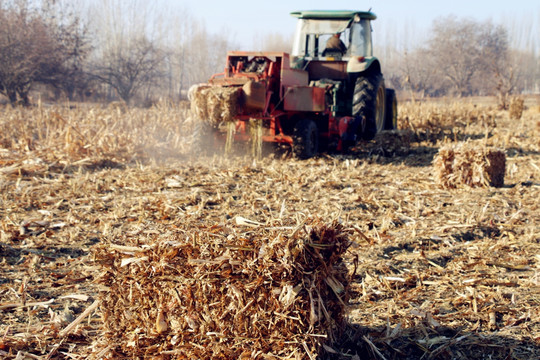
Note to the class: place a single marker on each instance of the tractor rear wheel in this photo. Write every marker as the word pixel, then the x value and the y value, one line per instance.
pixel 305 139
pixel 391 110
pixel 369 103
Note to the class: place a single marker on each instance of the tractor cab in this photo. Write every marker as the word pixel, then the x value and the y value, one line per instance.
pixel 315 28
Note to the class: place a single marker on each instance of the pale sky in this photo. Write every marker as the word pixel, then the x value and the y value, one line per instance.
pixel 247 20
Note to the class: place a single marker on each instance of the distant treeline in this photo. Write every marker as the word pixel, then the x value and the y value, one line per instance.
pixel 464 57
pixel 112 50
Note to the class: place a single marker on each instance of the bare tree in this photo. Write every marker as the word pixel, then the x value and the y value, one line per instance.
pixel 205 54
pixel 475 58
pixel 178 60
pixel 34 47
pixel 131 46
pixel 66 70
pixel 25 43
pixel 129 68
pixel 499 71
pixel 455 48
pixel 193 54
pixel 525 50
pixel 419 74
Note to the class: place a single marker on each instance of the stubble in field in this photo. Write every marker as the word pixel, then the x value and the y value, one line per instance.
pixel 439 273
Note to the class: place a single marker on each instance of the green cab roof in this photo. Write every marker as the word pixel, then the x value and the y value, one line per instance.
pixel 333 14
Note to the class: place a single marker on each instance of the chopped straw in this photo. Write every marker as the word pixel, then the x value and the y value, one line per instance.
pixel 516 108
pixel 214 104
pixel 465 164
pixel 210 294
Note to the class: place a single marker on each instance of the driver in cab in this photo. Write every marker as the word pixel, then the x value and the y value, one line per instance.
pixel 335 44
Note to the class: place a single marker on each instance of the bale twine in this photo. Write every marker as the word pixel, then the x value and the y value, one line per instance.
pixel 466 164
pixel 265 294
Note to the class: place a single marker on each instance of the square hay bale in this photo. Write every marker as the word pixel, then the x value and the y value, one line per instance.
pixel 517 105
pixel 466 164
pixel 264 294
pixel 214 104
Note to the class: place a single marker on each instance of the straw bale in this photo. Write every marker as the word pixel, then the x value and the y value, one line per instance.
pixel 466 164
pixel 213 294
pixel 517 104
pixel 214 104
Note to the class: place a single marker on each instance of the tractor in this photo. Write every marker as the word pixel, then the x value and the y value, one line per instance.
pixel 320 95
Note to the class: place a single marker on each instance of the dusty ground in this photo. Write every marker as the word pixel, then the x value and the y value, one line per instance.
pixel 438 273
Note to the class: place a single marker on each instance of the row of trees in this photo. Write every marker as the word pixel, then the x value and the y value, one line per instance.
pixel 127 51
pixel 463 57
pixel 139 50
pixel 42 45
pixel 136 50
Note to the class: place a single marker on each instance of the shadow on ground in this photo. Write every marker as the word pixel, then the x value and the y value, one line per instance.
pixel 425 342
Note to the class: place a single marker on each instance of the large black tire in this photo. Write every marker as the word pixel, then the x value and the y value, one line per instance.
pixel 305 139
pixel 368 103
pixel 390 122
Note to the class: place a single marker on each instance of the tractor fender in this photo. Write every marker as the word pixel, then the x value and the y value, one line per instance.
pixel 358 64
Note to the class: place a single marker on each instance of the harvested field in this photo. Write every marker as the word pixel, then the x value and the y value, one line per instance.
pixel 434 273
